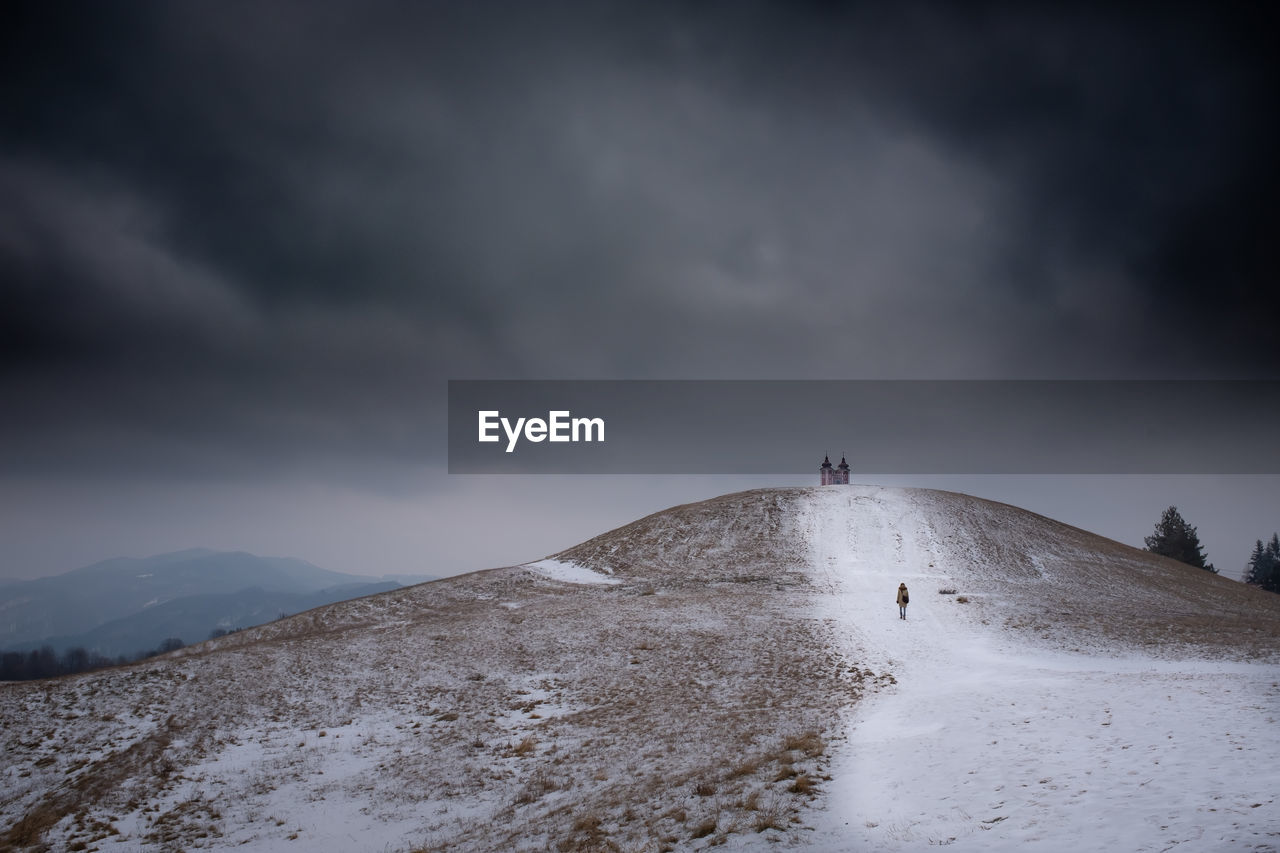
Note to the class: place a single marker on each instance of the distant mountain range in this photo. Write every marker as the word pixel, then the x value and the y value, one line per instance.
pixel 127 605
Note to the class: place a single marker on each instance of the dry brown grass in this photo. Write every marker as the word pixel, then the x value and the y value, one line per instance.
pixel 770 815
pixel 803 785
pixel 673 544
pixel 30 828
pixel 540 783
pixel 1081 584
pixel 90 786
pixel 808 742
pixel 705 827
pixel 626 746
pixel 586 836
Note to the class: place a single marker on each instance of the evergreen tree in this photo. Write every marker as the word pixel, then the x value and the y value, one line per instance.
pixel 1271 580
pixel 1175 538
pixel 1253 570
pixel 1264 565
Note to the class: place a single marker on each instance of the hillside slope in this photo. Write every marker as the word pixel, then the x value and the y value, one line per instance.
pixel 729 673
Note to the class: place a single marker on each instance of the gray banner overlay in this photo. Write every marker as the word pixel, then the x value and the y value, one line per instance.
pixel 882 427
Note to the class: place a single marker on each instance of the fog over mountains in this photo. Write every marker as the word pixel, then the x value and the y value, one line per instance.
pixel 126 605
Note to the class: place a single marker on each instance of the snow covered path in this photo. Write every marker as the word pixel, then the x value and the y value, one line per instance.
pixel 986 744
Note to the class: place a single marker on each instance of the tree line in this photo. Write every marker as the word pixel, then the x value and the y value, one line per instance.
pixel 1264 565
pixel 45 662
pixel 1174 537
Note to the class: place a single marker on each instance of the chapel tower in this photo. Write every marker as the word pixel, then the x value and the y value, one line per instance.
pixel 837 475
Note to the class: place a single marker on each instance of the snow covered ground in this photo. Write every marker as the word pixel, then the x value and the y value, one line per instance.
pixel 989 743
pixel 728 675
pixel 568 572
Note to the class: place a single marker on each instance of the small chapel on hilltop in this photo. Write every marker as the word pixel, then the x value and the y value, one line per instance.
pixel 837 476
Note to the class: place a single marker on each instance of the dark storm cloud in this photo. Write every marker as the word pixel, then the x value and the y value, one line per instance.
pixel 238 232
pixel 1139 139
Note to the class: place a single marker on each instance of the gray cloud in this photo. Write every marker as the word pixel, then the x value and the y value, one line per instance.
pixel 244 237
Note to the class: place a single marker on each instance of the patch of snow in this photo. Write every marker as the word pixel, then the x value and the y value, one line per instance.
pixel 568 572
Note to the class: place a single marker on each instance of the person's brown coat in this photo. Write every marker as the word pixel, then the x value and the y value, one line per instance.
pixel 902 594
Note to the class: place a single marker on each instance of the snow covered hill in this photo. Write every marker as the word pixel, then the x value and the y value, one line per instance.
pixel 731 673
pixel 1086 696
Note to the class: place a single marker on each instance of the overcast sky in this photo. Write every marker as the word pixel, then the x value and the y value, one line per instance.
pixel 243 246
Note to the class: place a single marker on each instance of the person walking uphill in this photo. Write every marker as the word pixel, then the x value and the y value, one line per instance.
pixel 902 601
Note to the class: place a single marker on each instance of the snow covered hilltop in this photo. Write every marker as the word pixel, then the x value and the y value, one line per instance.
pixel 727 673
